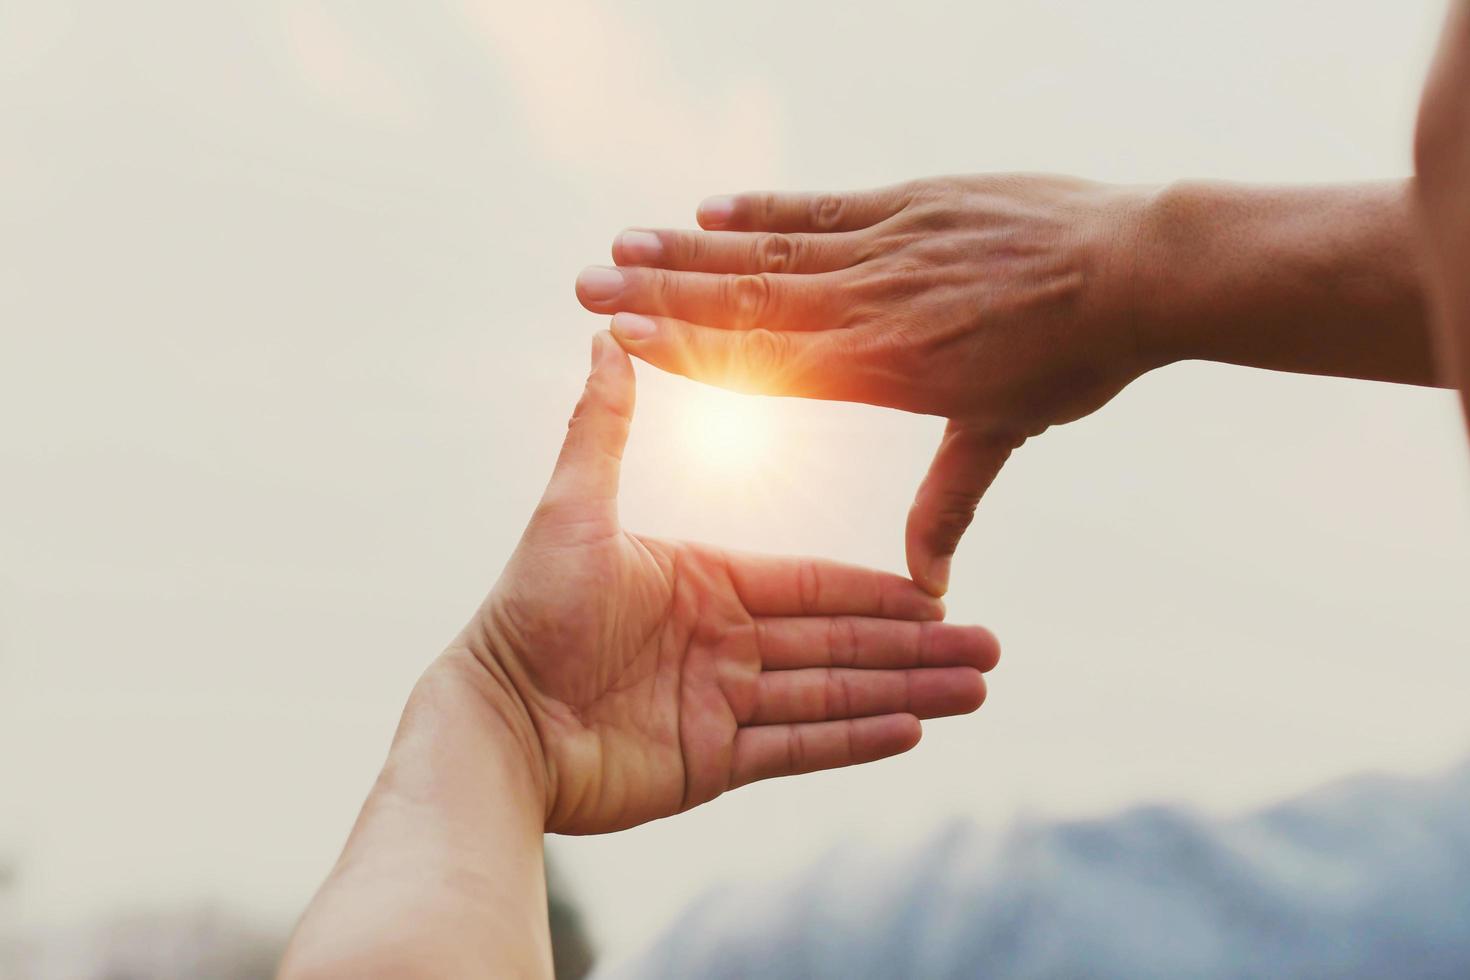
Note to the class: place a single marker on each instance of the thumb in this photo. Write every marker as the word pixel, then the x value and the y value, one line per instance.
pixel 963 469
pixel 592 456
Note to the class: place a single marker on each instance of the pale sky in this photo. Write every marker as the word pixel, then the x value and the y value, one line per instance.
pixel 289 342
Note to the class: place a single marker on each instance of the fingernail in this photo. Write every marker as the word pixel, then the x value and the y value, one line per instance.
pixel 598 283
pixel 597 343
pixel 939 575
pixel 631 326
pixel 639 246
pixel 716 211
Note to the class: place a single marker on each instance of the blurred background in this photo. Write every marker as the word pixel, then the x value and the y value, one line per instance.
pixel 289 343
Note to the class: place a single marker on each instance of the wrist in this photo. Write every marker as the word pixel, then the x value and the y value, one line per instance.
pixel 442 874
pixel 464 711
pixel 1170 291
pixel 1123 263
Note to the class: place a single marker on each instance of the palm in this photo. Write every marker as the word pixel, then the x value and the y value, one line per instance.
pixel 659 674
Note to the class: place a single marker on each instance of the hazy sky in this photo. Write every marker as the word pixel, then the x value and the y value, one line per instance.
pixel 289 343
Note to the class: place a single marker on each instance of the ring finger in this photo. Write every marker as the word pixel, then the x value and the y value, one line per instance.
pixel 736 251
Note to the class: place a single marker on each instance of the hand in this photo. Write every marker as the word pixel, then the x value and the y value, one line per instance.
pixel 651 676
pixel 1001 303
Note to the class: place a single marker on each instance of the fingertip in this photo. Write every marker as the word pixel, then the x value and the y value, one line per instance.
pixel 973 690
pixel 715 213
pixel 989 649
pixel 632 328
pixel 885 736
pixel 605 349
pixel 936 575
pixel 910 731
pixel 930 574
pixel 598 287
pixel 612 366
pixel 919 555
pixel 637 246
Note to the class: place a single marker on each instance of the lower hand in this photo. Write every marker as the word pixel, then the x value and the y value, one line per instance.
pixel 644 677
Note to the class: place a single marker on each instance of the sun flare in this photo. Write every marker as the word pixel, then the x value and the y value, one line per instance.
pixel 725 431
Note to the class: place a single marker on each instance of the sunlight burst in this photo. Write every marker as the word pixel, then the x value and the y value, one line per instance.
pixel 725 431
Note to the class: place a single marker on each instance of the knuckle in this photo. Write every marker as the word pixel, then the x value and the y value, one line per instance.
pixel 931 216
pixel 885 344
pixel 916 189
pixel 831 368
pixel 764 208
pixel 923 641
pixel 842 642
pixel 953 516
pixel 808 585
pixel 764 355
pixel 775 252
pixel 748 297
pixel 925 190
pixel 906 278
pixel 930 207
pixel 840 701
pixel 875 244
pixel 656 282
pixel 691 250
pixel 827 211
pixel 879 362
pixel 588 404
pixel 796 750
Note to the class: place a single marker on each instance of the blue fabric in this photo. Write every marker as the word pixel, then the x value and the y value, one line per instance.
pixel 1370 878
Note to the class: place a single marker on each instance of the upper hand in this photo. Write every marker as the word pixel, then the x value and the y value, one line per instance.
pixel 646 677
pixel 999 302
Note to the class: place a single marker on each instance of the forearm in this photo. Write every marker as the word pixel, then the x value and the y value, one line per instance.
pixel 442 876
pixel 1315 280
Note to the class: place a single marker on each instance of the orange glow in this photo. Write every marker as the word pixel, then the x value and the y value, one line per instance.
pixel 725 431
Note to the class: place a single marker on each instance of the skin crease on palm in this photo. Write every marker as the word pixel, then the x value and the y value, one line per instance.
pixel 656 675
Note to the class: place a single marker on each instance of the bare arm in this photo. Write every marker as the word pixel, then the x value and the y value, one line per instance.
pixel 442 875
pixel 1315 280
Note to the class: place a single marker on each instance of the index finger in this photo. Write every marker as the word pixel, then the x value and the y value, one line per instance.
pixel 813 587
